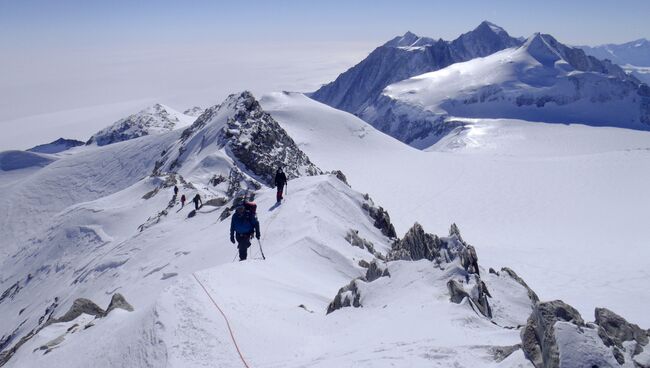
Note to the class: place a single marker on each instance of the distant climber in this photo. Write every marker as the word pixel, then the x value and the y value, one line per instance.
pixel 243 226
pixel 183 201
pixel 175 190
pixel 197 200
pixel 280 182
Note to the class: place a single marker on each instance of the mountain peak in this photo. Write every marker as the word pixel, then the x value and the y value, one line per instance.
pixel 487 25
pixel 541 47
pixel 409 39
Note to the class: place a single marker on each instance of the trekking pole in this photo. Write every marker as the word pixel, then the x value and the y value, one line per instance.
pixel 261 251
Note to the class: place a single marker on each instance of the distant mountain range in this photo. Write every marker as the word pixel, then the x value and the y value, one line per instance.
pixel 633 56
pixel 407 56
pixel 484 73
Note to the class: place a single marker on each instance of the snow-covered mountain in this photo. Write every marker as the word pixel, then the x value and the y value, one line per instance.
pixel 542 80
pixel 634 52
pixel 406 56
pixel 156 119
pixel 194 111
pixel 633 56
pixel 57 146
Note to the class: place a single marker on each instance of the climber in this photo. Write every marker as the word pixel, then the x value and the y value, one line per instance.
pixel 175 190
pixel 196 200
pixel 280 182
pixel 183 201
pixel 243 226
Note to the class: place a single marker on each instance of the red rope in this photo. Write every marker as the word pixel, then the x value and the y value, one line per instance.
pixel 232 336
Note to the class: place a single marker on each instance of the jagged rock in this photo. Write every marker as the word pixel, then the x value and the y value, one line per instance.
pixel 477 294
pixel 538 336
pixel 118 301
pixel 347 296
pixel 339 175
pixel 355 240
pixel 374 272
pixel 363 263
pixel 619 328
pixel 381 217
pixel 10 292
pixel 80 306
pixel 416 245
pixel 469 259
pixel 531 294
pixel 261 144
pixel 500 353
pixel 492 271
pixel 614 330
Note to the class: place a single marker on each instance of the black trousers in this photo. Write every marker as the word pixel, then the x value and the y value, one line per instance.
pixel 243 243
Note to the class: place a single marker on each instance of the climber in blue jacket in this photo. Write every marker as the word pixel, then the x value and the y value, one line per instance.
pixel 243 226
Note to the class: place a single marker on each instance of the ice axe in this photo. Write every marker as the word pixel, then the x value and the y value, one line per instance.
pixel 261 251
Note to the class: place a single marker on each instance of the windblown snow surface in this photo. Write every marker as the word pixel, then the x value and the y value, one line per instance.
pixel 565 205
pixel 102 220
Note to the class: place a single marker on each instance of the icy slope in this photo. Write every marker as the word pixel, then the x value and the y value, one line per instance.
pixel 542 80
pixel 156 119
pixel 550 199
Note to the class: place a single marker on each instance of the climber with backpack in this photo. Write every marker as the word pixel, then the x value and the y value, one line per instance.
pixel 243 226
pixel 183 201
pixel 197 200
pixel 280 182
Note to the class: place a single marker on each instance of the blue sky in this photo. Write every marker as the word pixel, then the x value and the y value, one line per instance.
pixel 85 23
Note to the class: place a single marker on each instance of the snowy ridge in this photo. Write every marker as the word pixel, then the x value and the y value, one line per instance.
pixel 514 186
pixel 542 80
pixel 57 146
pixel 156 119
pixel 236 133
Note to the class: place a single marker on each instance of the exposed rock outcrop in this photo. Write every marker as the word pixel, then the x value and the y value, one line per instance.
pixel 118 301
pixel 475 291
pixel 381 217
pixel 80 306
pixel 557 336
pixel 417 244
pixel 374 272
pixel 531 294
pixel 347 296
pixel 261 144
pixel 355 240
pixel 339 175
pixel 538 336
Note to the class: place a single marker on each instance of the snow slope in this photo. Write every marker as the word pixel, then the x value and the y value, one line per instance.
pixel 130 236
pixel 548 199
pixel 175 324
pixel 542 80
